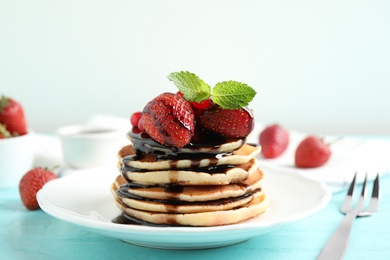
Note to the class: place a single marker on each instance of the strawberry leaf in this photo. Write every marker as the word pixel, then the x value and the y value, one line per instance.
pixel 232 94
pixel 4 102
pixel 192 87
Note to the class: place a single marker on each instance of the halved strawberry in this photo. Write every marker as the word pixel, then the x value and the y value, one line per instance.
pixel 12 116
pixel 227 122
pixel 31 183
pixel 169 120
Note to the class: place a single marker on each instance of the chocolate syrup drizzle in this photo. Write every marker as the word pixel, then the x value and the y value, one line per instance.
pixel 123 193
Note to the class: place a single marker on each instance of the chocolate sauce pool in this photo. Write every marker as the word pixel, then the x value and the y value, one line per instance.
pixel 143 143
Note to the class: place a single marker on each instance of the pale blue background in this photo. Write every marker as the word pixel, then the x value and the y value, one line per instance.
pixel 318 66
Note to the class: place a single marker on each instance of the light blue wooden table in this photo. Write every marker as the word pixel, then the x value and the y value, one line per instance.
pixel 36 235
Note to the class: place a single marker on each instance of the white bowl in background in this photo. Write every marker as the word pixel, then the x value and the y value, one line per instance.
pixel 89 146
pixel 16 158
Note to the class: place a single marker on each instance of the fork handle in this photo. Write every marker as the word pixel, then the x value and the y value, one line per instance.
pixel 337 244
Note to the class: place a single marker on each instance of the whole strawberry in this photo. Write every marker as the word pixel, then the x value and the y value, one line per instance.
pixel 135 117
pixel 12 116
pixel 312 152
pixel 31 183
pixel 273 140
pixel 228 122
pixel 169 120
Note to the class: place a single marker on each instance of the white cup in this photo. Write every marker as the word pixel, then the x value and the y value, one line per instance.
pixel 89 146
pixel 16 158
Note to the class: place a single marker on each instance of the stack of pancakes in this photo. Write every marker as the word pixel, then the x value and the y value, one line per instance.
pixel 204 184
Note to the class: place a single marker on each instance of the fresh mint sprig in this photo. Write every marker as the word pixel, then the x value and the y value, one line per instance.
pixel 232 94
pixel 192 87
pixel 228 94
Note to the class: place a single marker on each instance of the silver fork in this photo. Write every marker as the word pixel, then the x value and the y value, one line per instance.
pixel 337 245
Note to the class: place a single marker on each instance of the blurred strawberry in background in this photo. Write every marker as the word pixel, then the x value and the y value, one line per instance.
pixel 312 152
pixel 12 116
pixel 273 140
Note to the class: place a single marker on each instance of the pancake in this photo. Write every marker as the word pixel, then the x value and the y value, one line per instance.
pixel 219 175
pixel 152 162
pixel 192 193
pixel 178 206
pixel 211 218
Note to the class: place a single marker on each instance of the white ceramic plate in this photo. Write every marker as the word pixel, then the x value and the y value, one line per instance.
pixel 84 199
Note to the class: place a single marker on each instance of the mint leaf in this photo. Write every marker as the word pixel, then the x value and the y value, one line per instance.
pixel 232 94
pixel 192 87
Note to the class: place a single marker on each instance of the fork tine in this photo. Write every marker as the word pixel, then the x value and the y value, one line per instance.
pixel 347 204
pixel 374 202
pixel 360 204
